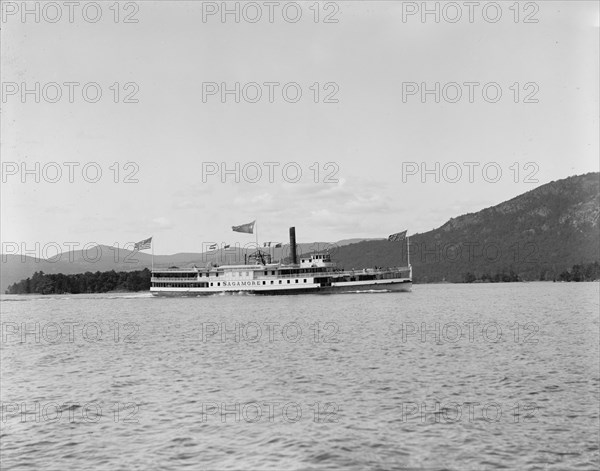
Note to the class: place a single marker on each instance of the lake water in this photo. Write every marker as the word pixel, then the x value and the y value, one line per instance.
pixel 461 377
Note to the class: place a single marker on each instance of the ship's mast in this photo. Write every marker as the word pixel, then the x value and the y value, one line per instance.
pixel 256 232
pixel 408 257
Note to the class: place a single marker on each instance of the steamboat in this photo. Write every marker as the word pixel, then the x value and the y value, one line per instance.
pixel 314 273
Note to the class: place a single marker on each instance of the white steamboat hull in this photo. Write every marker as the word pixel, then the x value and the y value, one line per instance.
pixel 394 285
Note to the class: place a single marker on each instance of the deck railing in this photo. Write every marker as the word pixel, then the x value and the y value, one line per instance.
pixel 173 280
pixel 260 275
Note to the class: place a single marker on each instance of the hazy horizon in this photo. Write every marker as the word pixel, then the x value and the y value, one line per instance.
pixel 251 240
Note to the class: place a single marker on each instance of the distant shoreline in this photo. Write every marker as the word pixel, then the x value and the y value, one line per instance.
pixel 122 291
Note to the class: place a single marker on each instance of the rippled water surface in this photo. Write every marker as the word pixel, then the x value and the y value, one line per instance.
pixel 499 376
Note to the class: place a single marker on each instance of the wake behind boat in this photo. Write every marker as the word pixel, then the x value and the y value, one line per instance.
pixel 314 273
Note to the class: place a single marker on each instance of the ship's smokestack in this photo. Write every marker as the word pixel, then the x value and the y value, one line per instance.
pixel 293 245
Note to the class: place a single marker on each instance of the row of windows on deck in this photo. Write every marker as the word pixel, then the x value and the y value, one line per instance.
pixel 244 273
pixel 191 275
pixel 205 285
pixel 179 285
pixel 176 275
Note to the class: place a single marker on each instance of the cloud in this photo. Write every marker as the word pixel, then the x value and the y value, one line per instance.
pixel 160 223
pixel 189 204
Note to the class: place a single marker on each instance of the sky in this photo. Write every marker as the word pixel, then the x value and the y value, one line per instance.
pixel 368 143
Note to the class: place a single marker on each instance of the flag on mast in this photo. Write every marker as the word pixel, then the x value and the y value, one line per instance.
pixel 398 237
pixel 143 244
pixel 247 228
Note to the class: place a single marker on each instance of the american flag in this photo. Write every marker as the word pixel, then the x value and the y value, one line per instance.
pixel 143 244
pixel 398 237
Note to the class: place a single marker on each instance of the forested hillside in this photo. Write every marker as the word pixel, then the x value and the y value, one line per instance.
pixel 99 282
pixel 536 236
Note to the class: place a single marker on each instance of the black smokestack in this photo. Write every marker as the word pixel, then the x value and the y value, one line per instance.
pixel 293 245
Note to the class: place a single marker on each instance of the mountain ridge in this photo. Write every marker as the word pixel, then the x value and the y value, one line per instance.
pixel 536 234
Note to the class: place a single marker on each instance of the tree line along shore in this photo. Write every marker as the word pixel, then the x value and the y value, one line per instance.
pixel 104 282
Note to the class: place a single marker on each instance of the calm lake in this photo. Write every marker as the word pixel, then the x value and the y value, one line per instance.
pixel 450 376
